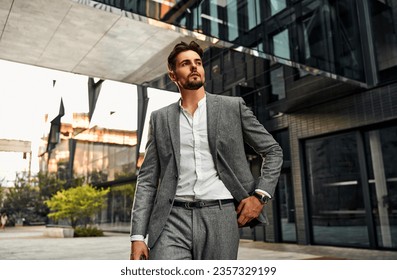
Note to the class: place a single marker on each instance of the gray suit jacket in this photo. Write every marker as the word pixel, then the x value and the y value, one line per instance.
pixel 230 124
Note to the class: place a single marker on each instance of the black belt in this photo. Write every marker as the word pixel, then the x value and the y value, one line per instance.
pixel 202 203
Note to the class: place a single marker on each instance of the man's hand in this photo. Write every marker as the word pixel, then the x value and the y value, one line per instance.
pixel 248 209
pixel 139 251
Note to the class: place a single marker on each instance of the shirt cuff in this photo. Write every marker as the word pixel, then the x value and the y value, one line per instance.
pixel 263 192
pixel 137 237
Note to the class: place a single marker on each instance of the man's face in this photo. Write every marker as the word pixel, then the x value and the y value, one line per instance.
pixel 189 71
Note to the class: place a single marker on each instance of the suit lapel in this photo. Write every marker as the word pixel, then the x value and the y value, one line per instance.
pixel 173 125
pixel 212 122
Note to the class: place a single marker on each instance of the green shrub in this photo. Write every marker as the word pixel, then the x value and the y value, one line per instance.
pixel 87 232
pixel 77 204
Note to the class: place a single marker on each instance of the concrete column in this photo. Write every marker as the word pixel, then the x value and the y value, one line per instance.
pixel 380 187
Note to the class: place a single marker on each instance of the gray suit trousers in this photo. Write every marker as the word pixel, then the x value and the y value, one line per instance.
pixel 209 233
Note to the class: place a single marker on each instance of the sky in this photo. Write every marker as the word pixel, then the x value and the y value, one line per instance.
pixel 27 94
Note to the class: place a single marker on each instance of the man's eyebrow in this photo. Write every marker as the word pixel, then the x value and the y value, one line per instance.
pixel 188 60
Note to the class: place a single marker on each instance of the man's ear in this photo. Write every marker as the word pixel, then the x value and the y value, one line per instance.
pixel 171 74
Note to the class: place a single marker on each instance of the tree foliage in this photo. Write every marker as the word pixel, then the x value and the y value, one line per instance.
pixel 1 193
pixel 49 184
pixel 77 204
pixel 22 202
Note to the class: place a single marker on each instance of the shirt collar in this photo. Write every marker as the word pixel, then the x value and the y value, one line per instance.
pixel 199 105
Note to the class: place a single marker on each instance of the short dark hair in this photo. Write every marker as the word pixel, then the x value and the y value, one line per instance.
pixel 182 47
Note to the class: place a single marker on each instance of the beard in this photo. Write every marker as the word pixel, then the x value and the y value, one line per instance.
pixel 193 85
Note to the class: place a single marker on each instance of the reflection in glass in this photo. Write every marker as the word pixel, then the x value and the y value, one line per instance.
pixel 232 21
pixel 315 43
pixel 102 162
pixel 385 35
pixel 326 33
pixel 281 44
pixel 287 207
pixel 120 201
pixel 278 84
pixel 285 192
pixel 335 193
pixel 213 18
pixel 254 14
pixel 277 6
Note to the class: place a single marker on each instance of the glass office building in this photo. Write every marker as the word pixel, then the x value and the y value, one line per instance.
pixel 321 75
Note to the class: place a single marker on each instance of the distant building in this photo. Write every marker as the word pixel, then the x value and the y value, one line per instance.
pixel 98 154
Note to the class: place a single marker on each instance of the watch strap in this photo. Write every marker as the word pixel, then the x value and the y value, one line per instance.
pixel 261 197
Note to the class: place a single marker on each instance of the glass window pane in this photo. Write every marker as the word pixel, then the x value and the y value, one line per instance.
pixel 315 43
pixel 281 44
pixel 278 84
pixel 232 20
pixel 385 32
pixel 277 6
pixel 335 193
pixel 285 191
pixel 287 207
pixel 213 17
pixel 254 17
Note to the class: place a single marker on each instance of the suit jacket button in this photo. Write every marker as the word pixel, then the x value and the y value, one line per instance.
pixel 170 200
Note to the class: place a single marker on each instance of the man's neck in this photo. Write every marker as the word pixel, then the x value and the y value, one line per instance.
pixel 191 98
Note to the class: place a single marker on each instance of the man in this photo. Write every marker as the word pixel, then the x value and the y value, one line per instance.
pixel 195 187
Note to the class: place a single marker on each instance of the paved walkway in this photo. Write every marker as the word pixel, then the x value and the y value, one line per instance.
pixel 29 243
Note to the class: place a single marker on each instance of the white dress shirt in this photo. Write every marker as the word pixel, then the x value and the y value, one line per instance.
pixel 198 178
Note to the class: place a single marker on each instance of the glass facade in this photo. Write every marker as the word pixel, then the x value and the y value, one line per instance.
pixel 350 184
pixel 95 161
pixel 335 192
pixel 383 18
pixel 277 83
pixel 281 45
pixel 118 211
pixel 286 220
pixel 353 203
pixel 277 6
pixel 321 34
pixel 102 162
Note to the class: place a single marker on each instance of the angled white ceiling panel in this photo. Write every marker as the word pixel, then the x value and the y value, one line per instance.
pixel 80 38
pixel 29 28
pixel 79 32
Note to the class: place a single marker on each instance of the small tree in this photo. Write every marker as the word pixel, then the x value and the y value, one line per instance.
pixel 77 204
pixel 22 201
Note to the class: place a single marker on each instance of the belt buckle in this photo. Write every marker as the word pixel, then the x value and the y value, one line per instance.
pixel 187 205
pixel 190 205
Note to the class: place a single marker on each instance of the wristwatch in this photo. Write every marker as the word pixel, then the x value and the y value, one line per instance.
pixel 261 197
